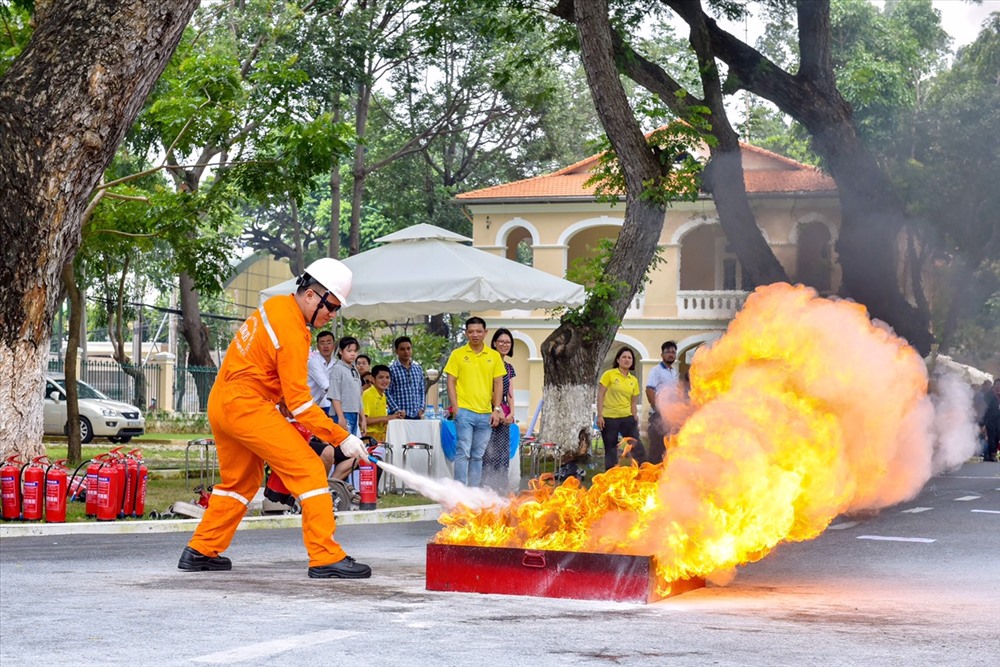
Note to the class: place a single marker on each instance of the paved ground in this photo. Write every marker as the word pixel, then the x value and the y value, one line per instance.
pixel 842 599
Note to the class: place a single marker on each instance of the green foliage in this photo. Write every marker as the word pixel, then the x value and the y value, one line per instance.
pixel 672 146
pixel 143 233
pixel 768 128
pixel 430 350
pixel 16 31
pixel 289 157
pixel 198 99
pixel 597 315
pixel 880 58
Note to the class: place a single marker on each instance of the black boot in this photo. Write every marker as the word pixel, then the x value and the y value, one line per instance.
pixel 346 568
pixel 192 561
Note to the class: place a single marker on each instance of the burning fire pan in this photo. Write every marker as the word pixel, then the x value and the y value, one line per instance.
pixel 551 574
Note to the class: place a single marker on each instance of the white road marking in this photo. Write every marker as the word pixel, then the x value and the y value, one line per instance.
pixel 843 526
pixel 916 510
pixel 987 511
pixel 967 498
pixel 883 538
pixel 273 647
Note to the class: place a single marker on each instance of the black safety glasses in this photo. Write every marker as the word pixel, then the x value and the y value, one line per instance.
pixel 332 307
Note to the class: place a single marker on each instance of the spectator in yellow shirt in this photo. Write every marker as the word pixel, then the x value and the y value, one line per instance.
pixel 373 401
pixel 475 384
pixel 618 407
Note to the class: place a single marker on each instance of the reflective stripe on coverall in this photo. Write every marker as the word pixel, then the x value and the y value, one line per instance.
pixel 266 361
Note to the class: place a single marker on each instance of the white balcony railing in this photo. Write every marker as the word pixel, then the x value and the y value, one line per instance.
pixel 709 304
pixel 637 306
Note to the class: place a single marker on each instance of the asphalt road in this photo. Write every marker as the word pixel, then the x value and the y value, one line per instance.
pixel 911 586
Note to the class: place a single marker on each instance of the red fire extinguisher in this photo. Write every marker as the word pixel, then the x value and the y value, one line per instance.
pixel 33 485
pixel 119 495
pixel 137 466
pixel 368 478
pixel 10 488
pixel 56 485
pixel 274 488
pixel 108 494
pixel 93 468
pixel 131 482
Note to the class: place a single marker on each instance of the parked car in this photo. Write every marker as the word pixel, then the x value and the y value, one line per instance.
pixel 100 416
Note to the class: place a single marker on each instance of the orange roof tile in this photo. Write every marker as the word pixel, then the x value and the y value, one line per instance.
pixel 568 182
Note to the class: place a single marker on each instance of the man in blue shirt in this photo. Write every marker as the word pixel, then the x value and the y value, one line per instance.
pixel 663 381
pixel 407 389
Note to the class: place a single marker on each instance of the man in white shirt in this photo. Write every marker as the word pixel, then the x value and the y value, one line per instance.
pixel 663 381
pixel 320 361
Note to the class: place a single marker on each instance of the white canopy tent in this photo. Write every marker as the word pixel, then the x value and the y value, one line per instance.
pixel 966 373
pixel 425 270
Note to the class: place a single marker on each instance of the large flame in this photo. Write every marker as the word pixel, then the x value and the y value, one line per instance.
pixel 804 410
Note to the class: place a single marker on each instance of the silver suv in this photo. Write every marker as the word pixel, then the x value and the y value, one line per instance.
pixel 100 416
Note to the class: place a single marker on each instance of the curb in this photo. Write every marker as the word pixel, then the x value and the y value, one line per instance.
pixel 393 515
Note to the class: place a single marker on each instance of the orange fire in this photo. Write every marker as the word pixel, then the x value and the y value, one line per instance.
pixel 804 410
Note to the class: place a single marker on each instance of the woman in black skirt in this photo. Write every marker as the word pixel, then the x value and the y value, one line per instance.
pixel 496 460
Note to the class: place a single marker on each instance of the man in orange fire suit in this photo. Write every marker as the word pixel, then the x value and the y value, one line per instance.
pixel 265 363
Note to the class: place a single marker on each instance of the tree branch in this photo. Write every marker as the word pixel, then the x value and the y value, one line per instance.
pixel 756 73
pixel 816 63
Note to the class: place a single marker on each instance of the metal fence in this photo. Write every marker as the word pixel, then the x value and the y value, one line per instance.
pixel 136 385
pixel 140 385
pixel 191 387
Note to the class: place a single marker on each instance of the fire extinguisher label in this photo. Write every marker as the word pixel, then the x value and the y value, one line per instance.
pixel 52 491
pixel 7 487
pixel 30 495
pixel 104 491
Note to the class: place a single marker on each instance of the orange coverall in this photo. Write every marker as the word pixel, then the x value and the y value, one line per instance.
pixel 266 362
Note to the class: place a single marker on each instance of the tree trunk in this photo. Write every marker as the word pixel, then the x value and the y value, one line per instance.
pixel 74 448
pixel 334 248
pixel 961 280
pixel 65 104
pixel 299 266
pixel 572 354
pixel 196 335
pixel 360 173
pixel 723 176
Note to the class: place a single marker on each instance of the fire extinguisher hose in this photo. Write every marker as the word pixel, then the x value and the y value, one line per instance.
pixel 73 479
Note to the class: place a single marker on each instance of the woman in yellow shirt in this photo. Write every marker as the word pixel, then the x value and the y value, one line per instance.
pixel 618 407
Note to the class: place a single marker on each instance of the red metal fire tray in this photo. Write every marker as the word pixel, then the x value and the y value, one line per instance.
pixel 552 574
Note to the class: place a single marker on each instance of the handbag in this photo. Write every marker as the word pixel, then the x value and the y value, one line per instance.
pixel 506 410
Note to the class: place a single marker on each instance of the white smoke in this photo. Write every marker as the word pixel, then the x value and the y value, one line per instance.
pixel 448 492
pixel 954 428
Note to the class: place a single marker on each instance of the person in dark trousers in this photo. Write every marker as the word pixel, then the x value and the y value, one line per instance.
pixel 618 408
pixel 991 422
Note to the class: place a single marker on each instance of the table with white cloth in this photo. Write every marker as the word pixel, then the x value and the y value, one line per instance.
pixel 402 431
pixel 398 432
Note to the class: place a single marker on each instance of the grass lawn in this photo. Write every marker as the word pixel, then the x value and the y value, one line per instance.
pixel 167 483
pixel 184 437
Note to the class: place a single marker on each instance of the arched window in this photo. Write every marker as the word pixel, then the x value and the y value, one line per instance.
pixel 519 247
pixel 814 257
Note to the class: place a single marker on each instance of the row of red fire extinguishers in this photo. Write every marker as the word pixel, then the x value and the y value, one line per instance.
pixel 113 486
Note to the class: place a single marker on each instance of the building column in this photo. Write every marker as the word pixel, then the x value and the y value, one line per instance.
pixel 165 391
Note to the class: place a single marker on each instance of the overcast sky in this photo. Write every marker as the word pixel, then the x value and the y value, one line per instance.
pixel 963 20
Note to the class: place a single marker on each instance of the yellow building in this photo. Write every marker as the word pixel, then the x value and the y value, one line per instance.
pixel 694 293
pixel 255 273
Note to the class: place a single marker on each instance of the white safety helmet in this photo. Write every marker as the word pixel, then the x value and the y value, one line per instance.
pixel 331 274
